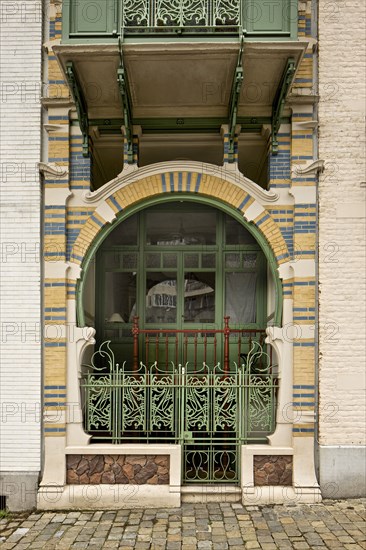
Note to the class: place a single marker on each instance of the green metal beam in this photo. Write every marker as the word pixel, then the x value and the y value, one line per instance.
pixel 279 101
pixel 234 101
pixel 127 106
pixel 199 125
pixel 80 103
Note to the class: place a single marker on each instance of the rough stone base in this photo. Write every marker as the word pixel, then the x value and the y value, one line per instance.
pixel 272 470
pixel 20 490
pixel 117 469
pixel 342 471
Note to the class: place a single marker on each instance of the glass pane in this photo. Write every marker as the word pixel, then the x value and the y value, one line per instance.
pixel 124 234
pixel 191 227
pixel 209 260
pixel 232 260
pixel 191 260
pixel 111 259
pixel 199 297
pixel 129 261
pixel 236 233
pixel 169 260
pixel 161 298
pixel 240 300
pixel 249 260
pixel 119 297
pixel 153 260
pixel 117 333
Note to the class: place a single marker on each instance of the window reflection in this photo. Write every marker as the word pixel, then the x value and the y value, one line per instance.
pixel 236 233
pixel 180 228
pixel 161 298
pixel 199 297
pixel 119 296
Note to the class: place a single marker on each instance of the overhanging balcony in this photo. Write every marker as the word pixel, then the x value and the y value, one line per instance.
pixel 178 66
pixel 106 20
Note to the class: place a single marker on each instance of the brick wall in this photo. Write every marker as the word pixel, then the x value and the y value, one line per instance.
pixel 342 222
pixel 20 203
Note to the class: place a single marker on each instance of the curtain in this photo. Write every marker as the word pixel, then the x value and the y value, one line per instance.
pixel 240 297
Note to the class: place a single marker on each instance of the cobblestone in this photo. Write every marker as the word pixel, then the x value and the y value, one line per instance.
pixel 330 525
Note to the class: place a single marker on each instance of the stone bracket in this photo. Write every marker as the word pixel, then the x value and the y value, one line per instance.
pixel 279 100
pixel 81 105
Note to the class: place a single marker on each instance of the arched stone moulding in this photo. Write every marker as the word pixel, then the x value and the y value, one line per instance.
pixel 171 181
pixel 229 174
pixel 224 188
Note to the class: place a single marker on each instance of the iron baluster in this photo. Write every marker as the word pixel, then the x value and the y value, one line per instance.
pixel 176 349
pixel 185 348
pixel 226 343
pixel 135 334
pixel 195 352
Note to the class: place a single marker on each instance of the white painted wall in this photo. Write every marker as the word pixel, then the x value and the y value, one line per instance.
pixel 342 239
pixel 20 211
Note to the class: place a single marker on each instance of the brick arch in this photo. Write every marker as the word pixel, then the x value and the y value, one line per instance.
pixel 197 183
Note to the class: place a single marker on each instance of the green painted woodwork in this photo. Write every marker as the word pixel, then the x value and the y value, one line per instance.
pixel 151 266
pixel 100 16
pixel 210 412
pixel 86 20
pixel 270 17
pixel 184 197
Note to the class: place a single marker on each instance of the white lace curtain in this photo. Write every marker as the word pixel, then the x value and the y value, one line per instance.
pixel 240 298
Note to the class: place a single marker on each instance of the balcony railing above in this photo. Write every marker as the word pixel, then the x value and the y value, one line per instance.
pixel 108 19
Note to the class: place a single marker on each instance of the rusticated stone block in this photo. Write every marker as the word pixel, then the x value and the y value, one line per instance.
pixel 111 469
pixel 272 470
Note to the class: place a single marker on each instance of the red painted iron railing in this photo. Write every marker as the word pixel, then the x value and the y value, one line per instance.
pixel 196 346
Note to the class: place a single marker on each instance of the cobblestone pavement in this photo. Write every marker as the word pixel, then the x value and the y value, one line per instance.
pixel 218 526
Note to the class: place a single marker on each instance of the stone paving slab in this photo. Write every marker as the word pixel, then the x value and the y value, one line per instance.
pixel 212 526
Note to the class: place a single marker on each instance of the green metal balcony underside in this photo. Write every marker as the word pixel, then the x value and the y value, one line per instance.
pixel 135 20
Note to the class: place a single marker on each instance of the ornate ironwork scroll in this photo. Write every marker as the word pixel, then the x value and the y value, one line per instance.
pixel 210 411
pixel 226 12
pixel 260 385
pixel 165 14
pixel 136 13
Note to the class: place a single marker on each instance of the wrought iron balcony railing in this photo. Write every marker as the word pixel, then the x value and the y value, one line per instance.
pixel 95 19
pixel 152 403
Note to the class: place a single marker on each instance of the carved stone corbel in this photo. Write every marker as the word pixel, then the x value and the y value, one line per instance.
pixel 51 169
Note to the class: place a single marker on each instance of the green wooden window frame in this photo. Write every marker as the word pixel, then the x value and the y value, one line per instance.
pixel 142 251
pixel 267 251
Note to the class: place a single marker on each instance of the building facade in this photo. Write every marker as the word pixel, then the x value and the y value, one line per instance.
pixel 193 320
pixel 21 256
pixel 341 254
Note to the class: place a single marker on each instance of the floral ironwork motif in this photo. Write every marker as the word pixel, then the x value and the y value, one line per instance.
pixel 173 13
pixel 136 13
pixel 226 12
pixel 162 402
pixel 261 406
pixel 211 411
pixel 180 13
